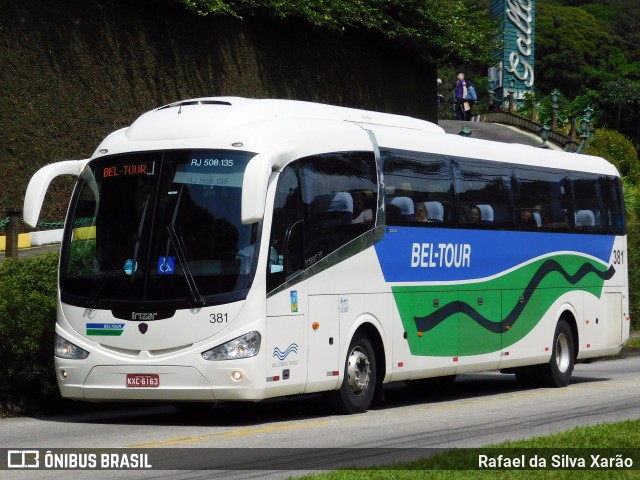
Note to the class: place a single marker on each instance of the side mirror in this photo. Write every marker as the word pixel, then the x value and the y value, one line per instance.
pixel 39 184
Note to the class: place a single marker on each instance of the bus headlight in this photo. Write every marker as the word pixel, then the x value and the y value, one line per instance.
pixel 65 349
pixel 242 347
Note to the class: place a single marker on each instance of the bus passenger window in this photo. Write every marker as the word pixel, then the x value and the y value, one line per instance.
pixel 587 203
pixel 485 188
pixel 318 209
pixel 287 214
pixel 544 193
pixel 419 189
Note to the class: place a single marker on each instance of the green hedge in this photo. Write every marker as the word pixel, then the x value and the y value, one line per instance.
pixel 27 318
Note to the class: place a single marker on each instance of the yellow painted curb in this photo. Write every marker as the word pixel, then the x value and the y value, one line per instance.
pixel 24 241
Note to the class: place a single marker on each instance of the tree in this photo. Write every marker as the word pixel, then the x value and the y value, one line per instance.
pixel 582 50
pixel 625 23
pixel 619 150
pixel 439 30
pixel 573 51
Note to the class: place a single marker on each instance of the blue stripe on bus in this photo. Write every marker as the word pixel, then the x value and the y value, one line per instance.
pixel 436 254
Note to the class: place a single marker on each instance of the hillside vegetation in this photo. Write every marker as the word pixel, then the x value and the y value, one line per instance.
pixel 72 72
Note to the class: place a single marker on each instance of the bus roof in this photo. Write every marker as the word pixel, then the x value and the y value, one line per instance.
pixel 300 128
pixel 513 153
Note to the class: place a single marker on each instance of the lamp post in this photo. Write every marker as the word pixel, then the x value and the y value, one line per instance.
pixel 585 130
pixel 588 113
pixel 544 135
pixel 555 100
pixel 491 92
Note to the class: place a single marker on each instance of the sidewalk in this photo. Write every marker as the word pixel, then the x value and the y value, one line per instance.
pixel 27 252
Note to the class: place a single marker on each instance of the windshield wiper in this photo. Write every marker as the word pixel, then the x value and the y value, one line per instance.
pixel 197 300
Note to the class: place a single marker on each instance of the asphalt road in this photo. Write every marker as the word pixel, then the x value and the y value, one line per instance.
pixel 476 410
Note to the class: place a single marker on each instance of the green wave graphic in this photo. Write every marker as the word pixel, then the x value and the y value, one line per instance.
pixel 488 316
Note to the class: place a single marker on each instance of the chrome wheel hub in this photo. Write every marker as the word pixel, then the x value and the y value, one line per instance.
pixel 358 372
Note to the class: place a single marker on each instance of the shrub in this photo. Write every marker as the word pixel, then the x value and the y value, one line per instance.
pixel 618 149
pixel 633 245
pixel 27 319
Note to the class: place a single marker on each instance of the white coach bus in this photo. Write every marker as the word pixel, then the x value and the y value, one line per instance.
pixel 234 249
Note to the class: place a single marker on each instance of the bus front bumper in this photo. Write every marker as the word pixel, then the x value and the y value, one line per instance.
pixel 156 383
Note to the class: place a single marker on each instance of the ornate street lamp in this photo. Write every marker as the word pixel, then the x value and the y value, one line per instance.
pixel 585 129
pixel 555 104
pixel 491 91
pixel 544 135
pixel 588 113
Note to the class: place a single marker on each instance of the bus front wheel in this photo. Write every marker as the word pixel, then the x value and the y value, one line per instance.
pixel 557 372
pixel 359 382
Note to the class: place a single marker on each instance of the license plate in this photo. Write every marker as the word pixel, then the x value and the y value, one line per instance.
pixel 143 380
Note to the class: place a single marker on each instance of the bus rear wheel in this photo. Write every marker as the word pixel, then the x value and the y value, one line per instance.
pixel 359 382
pixel 557 373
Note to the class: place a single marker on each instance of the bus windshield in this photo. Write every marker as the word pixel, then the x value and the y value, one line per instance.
pixel 161 227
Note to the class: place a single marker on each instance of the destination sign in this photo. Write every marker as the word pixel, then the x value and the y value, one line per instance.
pixel 209 169
pixel 127 169
pixel 210 179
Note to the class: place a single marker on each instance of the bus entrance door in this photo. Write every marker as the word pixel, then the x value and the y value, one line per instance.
pixel 324 342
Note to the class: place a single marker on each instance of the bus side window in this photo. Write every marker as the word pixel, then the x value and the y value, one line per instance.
pixel 587 203
pixel 485 188
pixel 331 185
pixel 613 210
pixel 418 189
pixel 545 194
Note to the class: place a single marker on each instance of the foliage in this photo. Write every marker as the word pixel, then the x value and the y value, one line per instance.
pixel 618 149
pixel 633 247
pixel 572 49
pixel 440 30
pixel 27 319
pixel 124 62
pixel 619 102
pixel 590 48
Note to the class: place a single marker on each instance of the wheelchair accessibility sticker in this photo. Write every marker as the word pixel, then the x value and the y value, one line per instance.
pixel 166 265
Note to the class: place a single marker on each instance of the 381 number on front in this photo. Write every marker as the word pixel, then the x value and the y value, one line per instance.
pixel 218 318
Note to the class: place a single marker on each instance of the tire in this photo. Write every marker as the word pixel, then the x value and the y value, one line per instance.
pixel 557 373
pixel 359 382
pixel 526 378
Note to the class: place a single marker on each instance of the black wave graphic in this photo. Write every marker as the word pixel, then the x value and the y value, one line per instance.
pixel 424 324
